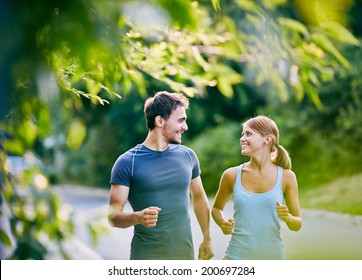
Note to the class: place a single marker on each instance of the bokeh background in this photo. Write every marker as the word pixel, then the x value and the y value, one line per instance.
pixel 74 76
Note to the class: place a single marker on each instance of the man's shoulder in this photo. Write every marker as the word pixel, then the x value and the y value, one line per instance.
pixel 184 149
pixel 127 155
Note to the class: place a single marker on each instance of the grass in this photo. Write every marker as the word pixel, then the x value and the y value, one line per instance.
pixel 342 196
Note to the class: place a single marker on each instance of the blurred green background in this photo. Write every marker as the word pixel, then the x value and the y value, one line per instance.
pixel 74 76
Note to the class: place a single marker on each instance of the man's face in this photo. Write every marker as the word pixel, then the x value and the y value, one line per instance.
pixel 175 125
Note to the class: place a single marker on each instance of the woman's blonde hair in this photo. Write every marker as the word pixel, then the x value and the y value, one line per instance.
pixel 266 126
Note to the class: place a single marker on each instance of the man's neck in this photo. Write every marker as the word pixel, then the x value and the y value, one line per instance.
pixel 155 142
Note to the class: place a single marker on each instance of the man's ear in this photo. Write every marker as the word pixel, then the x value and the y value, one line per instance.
pixel 159 121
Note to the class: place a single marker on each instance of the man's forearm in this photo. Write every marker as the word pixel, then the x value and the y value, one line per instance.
pixel 202 212
pixel 120 219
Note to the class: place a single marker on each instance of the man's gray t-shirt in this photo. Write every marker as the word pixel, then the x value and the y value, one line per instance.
pixel 159 179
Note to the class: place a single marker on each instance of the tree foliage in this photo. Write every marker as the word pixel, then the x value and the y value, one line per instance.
pixel 60 59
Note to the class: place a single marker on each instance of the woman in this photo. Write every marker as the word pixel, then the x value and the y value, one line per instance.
pixel 265 193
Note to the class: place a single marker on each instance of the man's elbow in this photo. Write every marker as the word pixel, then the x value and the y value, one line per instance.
pixel 111 220
pixel 117 222
pixel 112 216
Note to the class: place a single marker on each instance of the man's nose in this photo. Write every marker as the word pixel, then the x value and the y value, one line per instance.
pixel 185 127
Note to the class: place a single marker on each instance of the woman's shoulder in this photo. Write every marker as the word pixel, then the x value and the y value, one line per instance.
pixel 231 172
pixel 289 178
pixel 288 174
pixel 232 169
pixel 228 177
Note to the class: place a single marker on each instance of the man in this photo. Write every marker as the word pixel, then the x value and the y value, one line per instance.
pixel 156 177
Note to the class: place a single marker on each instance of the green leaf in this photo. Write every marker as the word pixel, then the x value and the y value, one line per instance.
pixel 76 134
pixel 327 74
pixel 199 59
pixel 14 146
pixel 189 91
pixel 92 87
pixel 181 11
pixel 4 238
pixel 248 5
pixel 313 78
pixel 28 132
pixel 216 5
pixel 279 84
pixel 313 95
pixel 272 4
pixel 260 78
pixel 299 92
pixel 139 81
pixel 339 32
pixel 43 121
pixel 324 43
pixel 294 25
pixel 226 78
pixel 225 86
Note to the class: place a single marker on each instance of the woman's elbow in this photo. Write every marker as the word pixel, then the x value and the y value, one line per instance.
pixel 295 227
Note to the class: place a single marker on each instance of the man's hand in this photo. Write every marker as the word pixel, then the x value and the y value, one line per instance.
pixel 206 251
pixel 149 216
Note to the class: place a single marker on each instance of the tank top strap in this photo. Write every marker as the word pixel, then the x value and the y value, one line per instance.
pixel 280 177
pixel 238 174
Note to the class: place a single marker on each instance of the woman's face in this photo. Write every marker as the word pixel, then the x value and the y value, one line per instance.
pixel 251 141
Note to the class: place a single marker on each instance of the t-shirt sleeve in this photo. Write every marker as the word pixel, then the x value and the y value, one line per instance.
pixel 121 171
pixel 196 171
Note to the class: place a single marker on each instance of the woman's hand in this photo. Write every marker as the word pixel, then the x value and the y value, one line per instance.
pixel 283 211
pixel 227 226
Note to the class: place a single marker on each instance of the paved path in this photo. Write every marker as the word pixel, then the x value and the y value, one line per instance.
pixel 324 235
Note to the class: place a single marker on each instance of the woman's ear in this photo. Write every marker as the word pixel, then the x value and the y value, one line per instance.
pixel 268 139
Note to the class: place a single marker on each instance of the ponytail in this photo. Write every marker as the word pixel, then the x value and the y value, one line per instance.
pixel 281 157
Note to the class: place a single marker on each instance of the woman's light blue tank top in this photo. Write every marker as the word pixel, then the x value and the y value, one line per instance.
pixel 256 234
